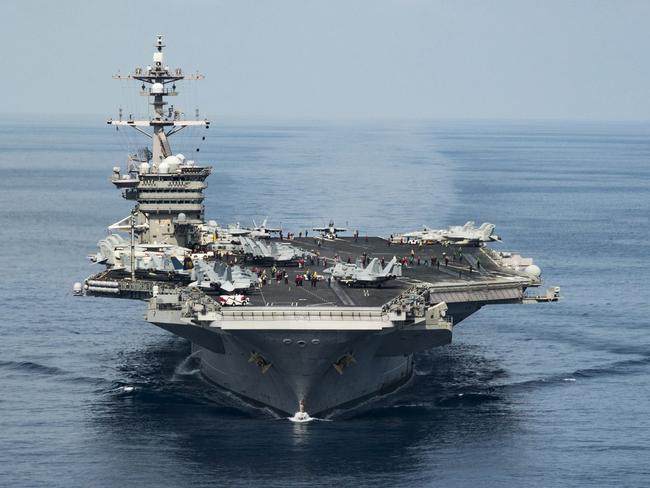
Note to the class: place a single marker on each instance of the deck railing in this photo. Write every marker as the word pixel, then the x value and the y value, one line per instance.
pixel 288 314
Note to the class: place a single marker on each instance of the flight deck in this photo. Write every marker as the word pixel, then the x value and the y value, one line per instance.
pixel 422 264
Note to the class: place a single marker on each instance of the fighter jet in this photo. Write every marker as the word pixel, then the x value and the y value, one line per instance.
pixel 219 276
pixel 212 231
pixel 237 230
pixel 469 233
pixel 115 253
pixel 371 275
pixel 262 231
pixel 465 234
pixel 330 231
pixel 263 252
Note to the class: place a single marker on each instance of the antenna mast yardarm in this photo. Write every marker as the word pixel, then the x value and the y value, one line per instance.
pixel 158 76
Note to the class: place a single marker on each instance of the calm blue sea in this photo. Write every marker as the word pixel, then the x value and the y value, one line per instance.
pixel 527 396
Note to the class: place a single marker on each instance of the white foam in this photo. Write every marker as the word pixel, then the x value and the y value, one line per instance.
pixel 183 369
pixel 304 417
pixel 301 417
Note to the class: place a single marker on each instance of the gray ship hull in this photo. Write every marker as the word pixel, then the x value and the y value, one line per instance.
pixel 327 369
pixel 306 373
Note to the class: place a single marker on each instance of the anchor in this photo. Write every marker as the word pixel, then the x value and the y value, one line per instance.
pixel 260 361
pixel 343 362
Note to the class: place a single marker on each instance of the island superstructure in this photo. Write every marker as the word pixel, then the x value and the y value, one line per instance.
pixel 167 187
pixel 317 323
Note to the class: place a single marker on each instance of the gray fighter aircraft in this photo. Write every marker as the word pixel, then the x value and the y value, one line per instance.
pixel 115 252
pixel 262 231
pixel 469 233
pixel 219 276
pixel 329 232
pixel 263 252
pixel 371 275
pixel 465 234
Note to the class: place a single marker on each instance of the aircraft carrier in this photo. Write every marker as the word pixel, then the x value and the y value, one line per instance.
pixel 314 321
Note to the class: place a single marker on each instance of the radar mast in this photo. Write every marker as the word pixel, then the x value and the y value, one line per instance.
pixel 158 76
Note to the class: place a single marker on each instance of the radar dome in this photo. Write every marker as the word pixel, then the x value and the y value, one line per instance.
pixel 182 217
pixel 157 88
pixel 172 163
pixel 181 158
pixel 163 168
pixel 76 289
pixel 533 270
pixel 144 168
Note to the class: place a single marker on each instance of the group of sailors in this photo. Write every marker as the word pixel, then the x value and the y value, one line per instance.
pixel 280 275
pixel 310 276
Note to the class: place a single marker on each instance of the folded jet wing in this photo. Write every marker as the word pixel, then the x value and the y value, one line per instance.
pixel 373 274
pixel 262 251
pixel 223 277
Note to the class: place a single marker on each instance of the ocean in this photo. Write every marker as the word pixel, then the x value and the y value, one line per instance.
pixel 526 396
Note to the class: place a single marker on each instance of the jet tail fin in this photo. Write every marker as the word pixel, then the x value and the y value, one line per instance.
pixel 374 266
pixel 392 268
pixel 487 230
pixel 176 263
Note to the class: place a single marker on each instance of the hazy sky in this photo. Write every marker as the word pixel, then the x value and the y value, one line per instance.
pixel 563 59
